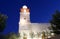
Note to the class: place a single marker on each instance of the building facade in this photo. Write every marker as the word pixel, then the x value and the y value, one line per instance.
pixel 26 28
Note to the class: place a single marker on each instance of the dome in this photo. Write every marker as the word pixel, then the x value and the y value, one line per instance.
pixel 24 6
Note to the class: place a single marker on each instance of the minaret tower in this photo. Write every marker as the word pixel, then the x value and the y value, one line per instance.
pixel 24 21
pixel 24 16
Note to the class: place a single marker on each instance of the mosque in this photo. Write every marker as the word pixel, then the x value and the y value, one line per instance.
pixel 28 29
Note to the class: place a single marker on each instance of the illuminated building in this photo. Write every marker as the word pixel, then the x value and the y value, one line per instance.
pixel 26 27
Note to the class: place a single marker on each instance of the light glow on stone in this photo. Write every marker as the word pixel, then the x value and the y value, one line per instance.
pixel 23 22
pixel 52 34
pixel 49 36
pixel 40 38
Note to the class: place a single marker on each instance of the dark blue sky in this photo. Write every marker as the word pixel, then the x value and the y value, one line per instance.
pixel 40 10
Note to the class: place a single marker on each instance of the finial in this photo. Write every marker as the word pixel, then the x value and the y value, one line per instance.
pixel 25 6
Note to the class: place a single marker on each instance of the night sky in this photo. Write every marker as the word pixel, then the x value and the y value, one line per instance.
pixel 40 11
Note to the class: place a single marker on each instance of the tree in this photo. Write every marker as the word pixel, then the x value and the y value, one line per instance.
pixel 43 35
pixel 12 35
pixel 32 35
pixel 24 36
pixel 2 25
pixel 38 34
pixel 55 23
pixel 2 22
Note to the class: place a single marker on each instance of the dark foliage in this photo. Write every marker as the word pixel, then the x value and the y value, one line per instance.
pixel 55 22
pixel 2 22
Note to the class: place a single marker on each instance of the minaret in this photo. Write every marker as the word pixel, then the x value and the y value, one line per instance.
pixel 24 16
pixel 24 21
